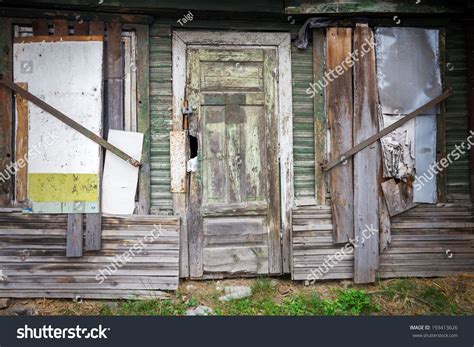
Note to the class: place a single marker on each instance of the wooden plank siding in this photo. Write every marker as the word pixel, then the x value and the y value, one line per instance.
pixel 430 241
pixel 33 258
pixel 427 241
pixel 313 242
pixel 366 162
pixel 340 124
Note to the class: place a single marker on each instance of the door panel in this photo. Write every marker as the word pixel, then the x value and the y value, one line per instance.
pixel 233 213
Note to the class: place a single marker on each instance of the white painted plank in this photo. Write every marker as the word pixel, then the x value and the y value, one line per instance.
pixel 120 178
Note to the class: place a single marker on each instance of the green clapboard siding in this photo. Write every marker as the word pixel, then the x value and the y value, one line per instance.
pixel 161 115
pixel 457 111
pixel 303 122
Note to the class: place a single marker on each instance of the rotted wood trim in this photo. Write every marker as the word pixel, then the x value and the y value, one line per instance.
pixel 6 109
pixel 179 199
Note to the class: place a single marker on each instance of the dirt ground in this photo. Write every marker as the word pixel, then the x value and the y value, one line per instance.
pixel 451 295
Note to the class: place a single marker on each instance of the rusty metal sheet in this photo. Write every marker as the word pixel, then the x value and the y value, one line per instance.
pixel 178 157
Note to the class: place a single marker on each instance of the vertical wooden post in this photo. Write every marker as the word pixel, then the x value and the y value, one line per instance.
pixel 470 57
pixel 74 235
pixel 319 116
pixel 366 162
pixel 114 76
pixel 93 229
pixel 6 113
pixel 21 147
pixel 339 113
pixel 143 83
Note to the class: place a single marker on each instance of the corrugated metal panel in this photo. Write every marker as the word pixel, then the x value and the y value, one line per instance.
pixel 456 112
pixel 161 115
pixel 303 122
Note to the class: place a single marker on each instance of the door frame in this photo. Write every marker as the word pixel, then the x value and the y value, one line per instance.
pixel 282 42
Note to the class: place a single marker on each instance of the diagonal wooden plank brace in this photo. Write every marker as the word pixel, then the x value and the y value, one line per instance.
pixel 343 157
pixel 65 119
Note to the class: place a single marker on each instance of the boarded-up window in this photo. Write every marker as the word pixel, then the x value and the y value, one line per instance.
pixel 63 165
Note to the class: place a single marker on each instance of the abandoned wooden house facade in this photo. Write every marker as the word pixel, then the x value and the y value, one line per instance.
pixel 242 138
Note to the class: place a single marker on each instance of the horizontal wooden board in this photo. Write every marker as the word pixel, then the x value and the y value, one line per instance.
pixel 34 263
pixel 427 241
pixel 430 241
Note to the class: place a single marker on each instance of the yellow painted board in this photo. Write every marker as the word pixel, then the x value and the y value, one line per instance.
pixel 63 187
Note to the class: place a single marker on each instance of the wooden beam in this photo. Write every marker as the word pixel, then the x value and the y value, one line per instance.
pixel 17 12
pixel 65 119
pixel 61 27
pixel 21 147
pixel 6 110
pixel 340 114
pixel 114 76
pixel 470 74
pixel 374 6
pixel 366 165
pixel 74 237
pixel 143 85
pixel 347 155
pixel 319 117
pixel 40 27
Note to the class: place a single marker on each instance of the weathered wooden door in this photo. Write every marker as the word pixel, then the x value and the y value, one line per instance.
pixel 233 206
